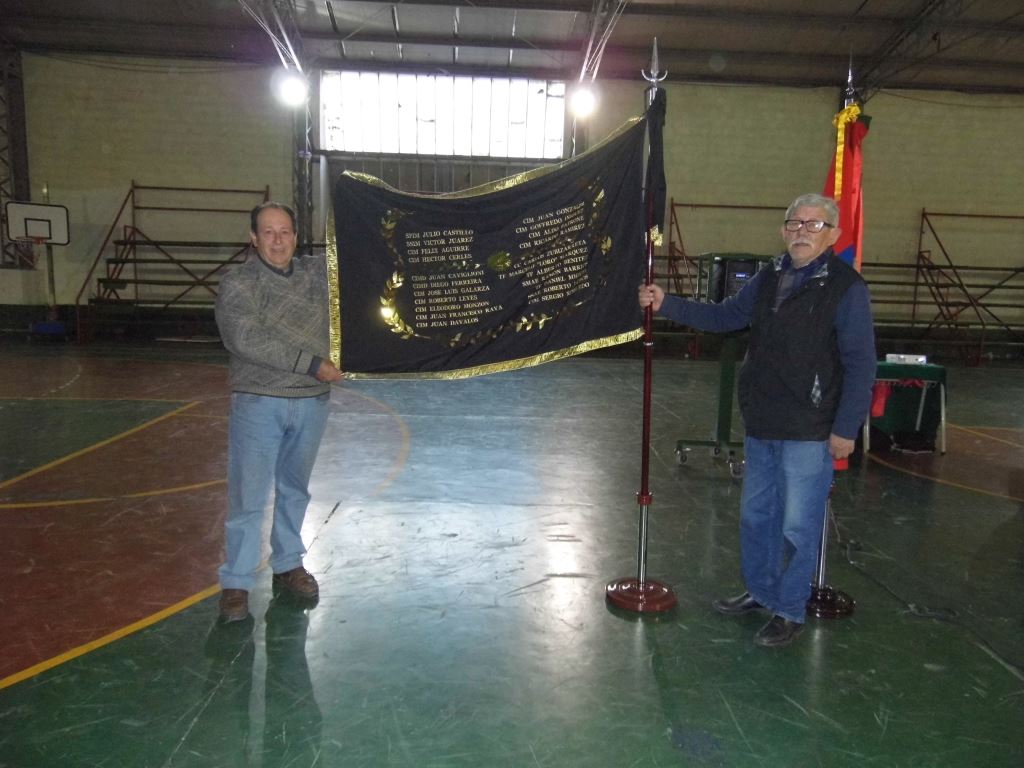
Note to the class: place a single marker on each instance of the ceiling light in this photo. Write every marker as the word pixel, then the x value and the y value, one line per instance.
pixel 290 87
pixel 582 102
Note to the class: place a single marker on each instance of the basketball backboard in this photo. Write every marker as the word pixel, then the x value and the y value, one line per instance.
pixel 39 223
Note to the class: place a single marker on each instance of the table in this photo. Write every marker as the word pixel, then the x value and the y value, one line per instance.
pixel 910 407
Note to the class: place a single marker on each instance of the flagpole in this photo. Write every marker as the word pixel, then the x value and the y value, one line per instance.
pixel 641 594
pixel 827 602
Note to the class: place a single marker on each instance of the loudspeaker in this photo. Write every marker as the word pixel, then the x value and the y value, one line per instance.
pixel 728 276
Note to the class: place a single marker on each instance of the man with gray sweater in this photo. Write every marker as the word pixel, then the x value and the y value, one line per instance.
pixel 272 313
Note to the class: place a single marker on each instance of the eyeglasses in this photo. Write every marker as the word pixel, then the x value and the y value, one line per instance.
pixel 811 225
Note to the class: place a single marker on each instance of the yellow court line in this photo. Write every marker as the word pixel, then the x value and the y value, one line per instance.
pixel 987 436
pixel 17 677
pixel 129 359
pixel 108 441
pixel 962 487
pixel 991 429
pixel 42 666
pixel 100 499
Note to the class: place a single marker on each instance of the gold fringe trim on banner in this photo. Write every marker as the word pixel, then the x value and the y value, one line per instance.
pixel 333 291
pixel 840 121
pixel 509 365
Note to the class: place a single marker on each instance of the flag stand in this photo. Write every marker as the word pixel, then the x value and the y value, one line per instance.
pixel 826 602
pixel 641 594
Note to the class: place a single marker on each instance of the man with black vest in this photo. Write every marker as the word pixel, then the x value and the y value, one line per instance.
pixel 804 392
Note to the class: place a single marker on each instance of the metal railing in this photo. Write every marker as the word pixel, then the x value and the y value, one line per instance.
pixel 146 262
pixel 931 298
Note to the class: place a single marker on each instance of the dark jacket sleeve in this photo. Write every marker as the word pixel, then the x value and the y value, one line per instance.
pixel 855 334
pixel 731 315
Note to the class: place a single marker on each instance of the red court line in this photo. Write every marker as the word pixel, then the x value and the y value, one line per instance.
pixel 103 539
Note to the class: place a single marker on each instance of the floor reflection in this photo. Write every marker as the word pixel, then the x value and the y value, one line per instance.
pixel 293 724
pixel 224 730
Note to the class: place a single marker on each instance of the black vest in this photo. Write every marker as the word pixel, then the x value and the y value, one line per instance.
pixel 790 382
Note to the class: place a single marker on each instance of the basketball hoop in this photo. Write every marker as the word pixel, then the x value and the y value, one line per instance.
pixel 31 240
pixel 39 225
pixel 26 249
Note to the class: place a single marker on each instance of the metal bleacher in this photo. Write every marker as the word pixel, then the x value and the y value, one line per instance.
pixel 148 277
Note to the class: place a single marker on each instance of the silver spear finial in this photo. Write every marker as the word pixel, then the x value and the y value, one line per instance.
pixel 655 75
pixel 851 96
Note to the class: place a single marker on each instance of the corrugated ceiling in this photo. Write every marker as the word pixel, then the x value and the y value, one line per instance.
pixel 976 46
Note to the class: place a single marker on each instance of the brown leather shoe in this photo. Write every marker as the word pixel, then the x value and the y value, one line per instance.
pixel 234 605
pixel 299 582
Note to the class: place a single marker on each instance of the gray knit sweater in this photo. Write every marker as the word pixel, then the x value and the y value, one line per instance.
pixel 275 324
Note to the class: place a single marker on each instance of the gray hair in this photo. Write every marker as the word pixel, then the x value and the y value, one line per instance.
pixel 813 200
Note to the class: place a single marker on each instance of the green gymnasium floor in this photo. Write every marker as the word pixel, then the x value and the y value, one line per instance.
pixel 463 534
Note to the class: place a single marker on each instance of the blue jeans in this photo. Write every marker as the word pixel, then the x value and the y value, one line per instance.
pixel 782 511
pixel 272 442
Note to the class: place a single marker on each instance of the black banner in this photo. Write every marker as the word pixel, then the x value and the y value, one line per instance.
pixel 528 269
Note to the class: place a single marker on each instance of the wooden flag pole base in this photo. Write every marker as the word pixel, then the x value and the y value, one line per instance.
pixel 640 596
pixel 825 601
pixel 828 603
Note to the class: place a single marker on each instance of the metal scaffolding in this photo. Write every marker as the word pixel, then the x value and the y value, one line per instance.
pixel 931 298
pixel 14 184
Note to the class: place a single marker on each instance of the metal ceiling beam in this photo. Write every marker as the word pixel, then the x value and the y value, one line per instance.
pixel 251 46
pixel 20 27
pixel 838 61
pixel 718 14
pixel 918 40
pixel 692 68
pixel 35 34
pixel 461 41
pixel 572 46
pixel 679 74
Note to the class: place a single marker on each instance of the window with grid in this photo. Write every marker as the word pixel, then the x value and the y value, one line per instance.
pixel 385 113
